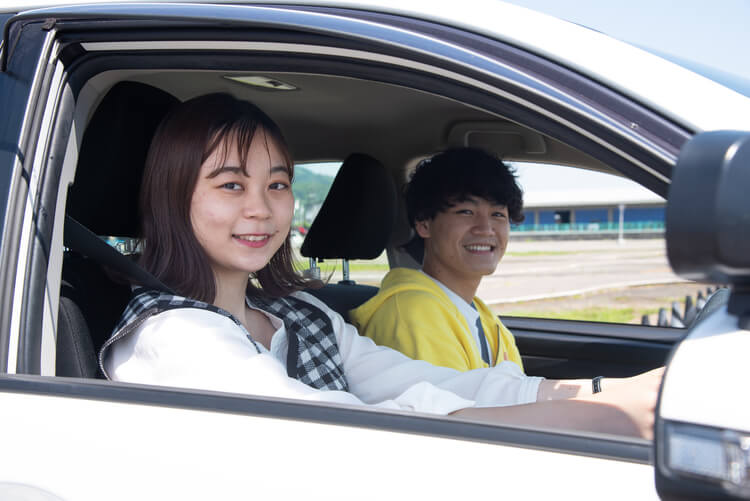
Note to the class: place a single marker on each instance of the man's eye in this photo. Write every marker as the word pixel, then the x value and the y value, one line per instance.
pixel 464 211
pixel 232 186
pixel 501 215
pixel 278 186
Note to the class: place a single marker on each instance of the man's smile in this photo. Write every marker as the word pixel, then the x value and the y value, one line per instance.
pixel 480 247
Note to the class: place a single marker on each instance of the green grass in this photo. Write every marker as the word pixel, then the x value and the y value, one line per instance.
pixel 592 314
pixel 366 266
pixel 354 266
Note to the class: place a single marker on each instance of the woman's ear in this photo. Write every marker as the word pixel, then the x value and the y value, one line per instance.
pixel 423 228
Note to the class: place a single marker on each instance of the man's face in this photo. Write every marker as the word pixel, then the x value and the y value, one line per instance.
pixel 466 241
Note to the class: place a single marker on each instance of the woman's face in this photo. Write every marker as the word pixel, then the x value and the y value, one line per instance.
pixel 241 214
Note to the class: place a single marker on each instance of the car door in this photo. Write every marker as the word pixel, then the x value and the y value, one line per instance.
pixel 74 438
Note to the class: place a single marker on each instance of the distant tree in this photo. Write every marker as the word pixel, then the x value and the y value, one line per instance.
pixel 310 190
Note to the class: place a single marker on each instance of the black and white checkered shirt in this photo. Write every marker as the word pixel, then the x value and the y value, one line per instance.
pixel 313 357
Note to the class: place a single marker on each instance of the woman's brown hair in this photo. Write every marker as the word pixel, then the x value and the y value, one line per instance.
pixel 184 140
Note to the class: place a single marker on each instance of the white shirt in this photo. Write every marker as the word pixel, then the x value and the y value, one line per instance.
pixel 196 348
pixel 467 310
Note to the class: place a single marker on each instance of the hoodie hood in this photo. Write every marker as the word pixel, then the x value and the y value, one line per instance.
pixel 414 315
pixel 396 281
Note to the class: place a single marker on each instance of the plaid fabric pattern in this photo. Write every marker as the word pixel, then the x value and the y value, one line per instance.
pixel 144 300
pixel 313 356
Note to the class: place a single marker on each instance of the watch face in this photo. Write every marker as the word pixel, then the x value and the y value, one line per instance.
pixel 596 384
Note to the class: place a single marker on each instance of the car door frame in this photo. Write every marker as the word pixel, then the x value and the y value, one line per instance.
pixel 30 358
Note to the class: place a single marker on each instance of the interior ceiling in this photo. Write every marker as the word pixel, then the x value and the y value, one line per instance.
pixel 329 117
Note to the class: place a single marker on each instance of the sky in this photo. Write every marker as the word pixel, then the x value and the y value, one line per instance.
pixel 699 34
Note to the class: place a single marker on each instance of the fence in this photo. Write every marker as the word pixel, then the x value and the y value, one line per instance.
pixel 656 227
pixel 682 317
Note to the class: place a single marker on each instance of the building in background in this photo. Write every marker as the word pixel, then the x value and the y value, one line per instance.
pixel 591 213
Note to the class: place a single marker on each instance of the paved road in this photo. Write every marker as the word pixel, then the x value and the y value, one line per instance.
pixel 546 269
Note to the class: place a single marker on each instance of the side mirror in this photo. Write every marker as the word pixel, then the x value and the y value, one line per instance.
pixel 708 214
pixel 702 429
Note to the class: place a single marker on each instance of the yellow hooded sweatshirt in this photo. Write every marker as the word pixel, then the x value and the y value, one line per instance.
pixel 413 315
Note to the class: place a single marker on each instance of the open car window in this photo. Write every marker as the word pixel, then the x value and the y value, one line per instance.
pixel 591 248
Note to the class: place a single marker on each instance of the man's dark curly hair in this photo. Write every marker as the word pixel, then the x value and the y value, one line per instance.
pixel 457 174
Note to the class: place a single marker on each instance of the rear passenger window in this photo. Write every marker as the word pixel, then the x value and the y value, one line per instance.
pixel 125 245
pixel 311 184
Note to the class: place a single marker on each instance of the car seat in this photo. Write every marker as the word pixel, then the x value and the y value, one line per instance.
pixel 354 222
pixel 104 198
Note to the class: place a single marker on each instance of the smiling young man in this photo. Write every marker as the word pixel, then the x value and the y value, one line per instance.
pixel 460 203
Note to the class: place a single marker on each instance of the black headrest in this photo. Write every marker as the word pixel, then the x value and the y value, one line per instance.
pixel 104 196
pixel 357 216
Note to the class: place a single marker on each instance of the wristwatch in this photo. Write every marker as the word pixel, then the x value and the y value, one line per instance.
pixel 596 384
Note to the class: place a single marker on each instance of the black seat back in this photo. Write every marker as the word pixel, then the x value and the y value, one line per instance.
pixel 104 198
pixel 76 356
pixel 355 222
pixel 100 297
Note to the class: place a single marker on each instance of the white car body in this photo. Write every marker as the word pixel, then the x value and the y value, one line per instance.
pixel 87 446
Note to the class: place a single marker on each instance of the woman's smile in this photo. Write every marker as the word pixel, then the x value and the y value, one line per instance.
pixel 253 240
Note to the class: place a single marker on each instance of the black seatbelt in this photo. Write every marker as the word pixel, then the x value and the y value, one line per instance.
pixel 82 240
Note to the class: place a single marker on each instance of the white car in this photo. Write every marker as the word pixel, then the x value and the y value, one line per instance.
pixel 82 86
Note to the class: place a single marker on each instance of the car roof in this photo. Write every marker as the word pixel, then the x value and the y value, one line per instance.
pixel 691 100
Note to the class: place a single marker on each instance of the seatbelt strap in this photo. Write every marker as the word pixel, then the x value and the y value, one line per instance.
pixel 82 240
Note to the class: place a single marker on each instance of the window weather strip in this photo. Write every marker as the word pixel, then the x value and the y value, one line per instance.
pixel 23 211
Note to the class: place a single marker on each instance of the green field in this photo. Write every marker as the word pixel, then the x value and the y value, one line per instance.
pixel 354 266
pixel 592 314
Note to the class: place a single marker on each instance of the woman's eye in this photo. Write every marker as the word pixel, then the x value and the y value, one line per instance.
pixel 501 215
pixel 278 186
pixel 464 211
pixel 232 186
